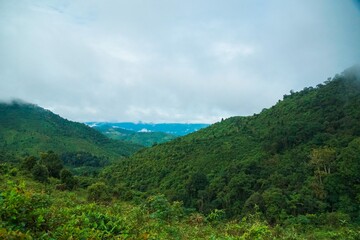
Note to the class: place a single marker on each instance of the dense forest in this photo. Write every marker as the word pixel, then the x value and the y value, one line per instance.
pixel 298 157
pixel 142 138
pixel 289 172
pixel 26 129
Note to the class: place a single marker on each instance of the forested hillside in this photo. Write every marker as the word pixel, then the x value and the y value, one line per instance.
pixel 142 138
pixel 297 158
pixel 177 129
pixel 26 129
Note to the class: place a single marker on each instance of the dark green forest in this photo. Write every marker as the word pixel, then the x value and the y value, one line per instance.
pixel 26 129
pixel 289 172
pixel 147 139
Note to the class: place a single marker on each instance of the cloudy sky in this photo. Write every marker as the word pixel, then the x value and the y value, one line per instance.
pixel 170 60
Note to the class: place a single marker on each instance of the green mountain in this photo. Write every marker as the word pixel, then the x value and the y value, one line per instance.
pixel 299 157
pixel 142 138
pixel 26 129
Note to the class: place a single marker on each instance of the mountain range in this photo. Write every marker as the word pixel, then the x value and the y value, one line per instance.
pixel 177 129
pixel 145 137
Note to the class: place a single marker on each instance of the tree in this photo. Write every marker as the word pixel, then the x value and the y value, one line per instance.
pixel 350 161
pixel 275 203
pixel 99 192
pixel 253 203
pixel 68 179
pixel 197 181
pixel 28 163
pixel 323 160
pixel 53 163
pixel 40 173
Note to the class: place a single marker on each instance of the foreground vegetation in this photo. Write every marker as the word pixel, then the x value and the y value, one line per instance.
pixel 33 210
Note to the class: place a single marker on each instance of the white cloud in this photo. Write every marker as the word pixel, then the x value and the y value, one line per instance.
pixel 144 130
pixel 229 51
pixel 170 61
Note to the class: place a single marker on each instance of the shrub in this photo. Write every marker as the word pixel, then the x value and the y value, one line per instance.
pixel 159 207
pixel 40 173
pixel 99 192
pixel 28 163
pixel 68 179
pixel 22 210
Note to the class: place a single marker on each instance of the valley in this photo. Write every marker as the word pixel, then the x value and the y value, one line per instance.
pixel 288 172
pixel 146 134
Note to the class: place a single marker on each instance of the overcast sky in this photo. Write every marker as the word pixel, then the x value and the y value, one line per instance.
pixel 170 60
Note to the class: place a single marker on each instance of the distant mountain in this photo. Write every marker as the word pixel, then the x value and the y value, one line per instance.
pixel 26 129
pixel 145 138
pixel 297 158
pixel 178 129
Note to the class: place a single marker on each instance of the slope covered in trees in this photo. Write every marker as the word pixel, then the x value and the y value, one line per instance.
pixel 142 138
pixel 27 129
pixel 294 161
pixel 177 129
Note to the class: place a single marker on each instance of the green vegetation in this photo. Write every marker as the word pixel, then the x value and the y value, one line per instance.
pixel 296 159
pixel 147 139
pixel 33 210
pixel 27 129
pixel 290 172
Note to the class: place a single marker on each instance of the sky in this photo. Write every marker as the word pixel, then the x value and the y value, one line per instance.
pixel 171 60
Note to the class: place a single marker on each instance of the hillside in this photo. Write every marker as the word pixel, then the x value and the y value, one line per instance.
pixel 299 157
pixel 26 129
pixel 142 138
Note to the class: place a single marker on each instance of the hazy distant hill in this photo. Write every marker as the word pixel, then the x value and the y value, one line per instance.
pixel 301 156
pixel 178 129
pixel 29 129
pixel 144 138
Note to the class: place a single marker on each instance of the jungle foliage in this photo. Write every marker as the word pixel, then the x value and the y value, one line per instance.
pixel 41 210
pixel 299 157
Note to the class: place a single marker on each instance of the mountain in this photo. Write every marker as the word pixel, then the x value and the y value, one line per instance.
pixel 178 129
pixel 26 129
pixel 145 138
pixel 299 157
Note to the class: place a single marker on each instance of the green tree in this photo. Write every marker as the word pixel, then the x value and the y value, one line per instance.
pixel 68 179
pixel 350 161
pixel 28 163
pixel 197 181
pixel 253 203
pixel 323 159
pixel 195 188
pixel 99 192
pixel 53 163
pixel 275 203
pixel 40 173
